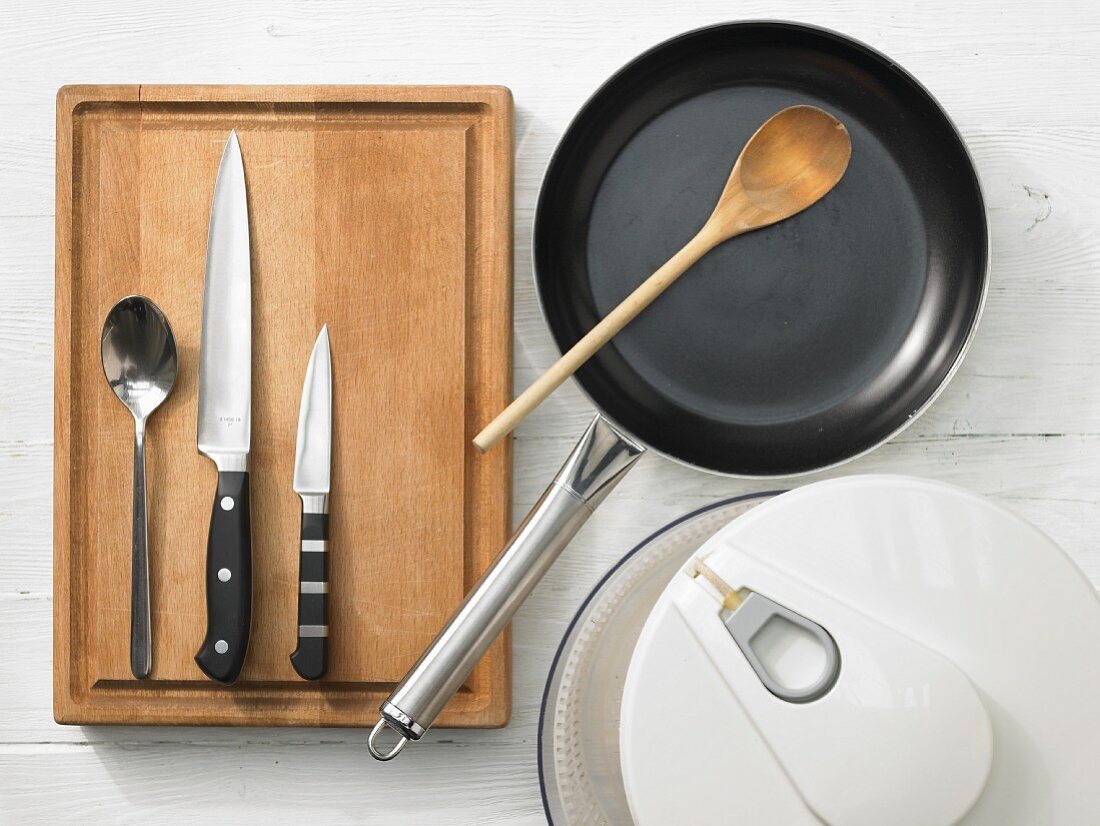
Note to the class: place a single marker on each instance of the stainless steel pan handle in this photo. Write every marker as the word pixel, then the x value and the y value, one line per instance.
pixel 601 458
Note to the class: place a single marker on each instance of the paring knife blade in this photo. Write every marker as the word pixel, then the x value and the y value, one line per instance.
pixel 312 482
pixel 225 418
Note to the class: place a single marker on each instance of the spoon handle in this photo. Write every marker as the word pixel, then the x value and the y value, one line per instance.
pixel 141 645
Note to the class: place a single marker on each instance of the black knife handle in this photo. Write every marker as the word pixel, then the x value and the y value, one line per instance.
pixel 228 581
pixel 309 658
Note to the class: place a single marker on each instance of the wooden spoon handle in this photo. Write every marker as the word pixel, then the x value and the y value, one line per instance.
pixel 596 338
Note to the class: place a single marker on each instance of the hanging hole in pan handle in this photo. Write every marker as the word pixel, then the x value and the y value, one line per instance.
pixel 372 745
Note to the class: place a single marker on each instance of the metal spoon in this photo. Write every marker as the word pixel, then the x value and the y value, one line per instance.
pixel 139 361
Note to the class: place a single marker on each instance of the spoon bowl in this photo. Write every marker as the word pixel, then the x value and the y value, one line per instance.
pixel 790 163
pixel 140 364
pixel 139 354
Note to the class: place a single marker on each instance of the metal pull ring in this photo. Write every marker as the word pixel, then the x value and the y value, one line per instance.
pixel 385 755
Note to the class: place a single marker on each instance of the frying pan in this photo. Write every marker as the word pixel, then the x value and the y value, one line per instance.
pixel 789 350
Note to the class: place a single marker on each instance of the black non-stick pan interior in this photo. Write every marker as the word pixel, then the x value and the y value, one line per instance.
pixel 794 347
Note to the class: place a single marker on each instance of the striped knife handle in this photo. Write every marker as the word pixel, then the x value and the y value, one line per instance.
pixel 309 658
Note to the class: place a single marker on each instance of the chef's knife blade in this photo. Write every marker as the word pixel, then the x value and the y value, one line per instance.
pixel 225 417
pixel 312 481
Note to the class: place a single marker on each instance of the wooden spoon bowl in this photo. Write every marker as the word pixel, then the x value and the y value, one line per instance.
pixel 790 163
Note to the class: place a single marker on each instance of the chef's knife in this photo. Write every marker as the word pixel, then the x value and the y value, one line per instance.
pixel 312 481
pixel 225 417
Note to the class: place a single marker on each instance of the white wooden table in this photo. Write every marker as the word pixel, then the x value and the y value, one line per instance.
pixel 1020 423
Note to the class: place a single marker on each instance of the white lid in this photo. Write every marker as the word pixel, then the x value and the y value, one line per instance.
pixel 905 575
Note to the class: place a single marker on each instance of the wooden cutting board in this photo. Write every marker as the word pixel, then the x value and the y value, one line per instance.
pixel 385 212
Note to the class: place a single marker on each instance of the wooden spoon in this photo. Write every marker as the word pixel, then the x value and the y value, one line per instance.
pixel 791 162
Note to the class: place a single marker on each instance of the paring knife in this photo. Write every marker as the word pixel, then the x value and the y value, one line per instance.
pixel 312 481
pixel 225 418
